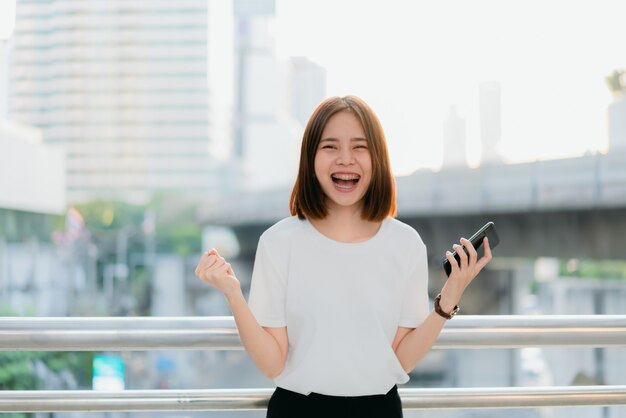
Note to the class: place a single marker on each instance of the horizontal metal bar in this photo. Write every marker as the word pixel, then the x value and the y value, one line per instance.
pixel 122 334
pixel 251 399
pixel 220 333
pixel 515 331
pixel 513 397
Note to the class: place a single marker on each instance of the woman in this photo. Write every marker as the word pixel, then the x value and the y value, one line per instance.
pixel 338 310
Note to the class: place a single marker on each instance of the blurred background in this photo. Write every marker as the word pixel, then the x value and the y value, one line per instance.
pixel 136 134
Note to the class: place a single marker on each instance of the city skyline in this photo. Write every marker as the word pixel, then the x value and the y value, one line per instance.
pixel 412 61
pixel 553 96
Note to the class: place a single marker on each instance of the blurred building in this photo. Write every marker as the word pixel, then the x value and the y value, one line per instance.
pixel 32 191
pixel 126 88
pixel 617 123
pixel 267 137
pixel 307 88
pixel 454 140
pixel 490 120
pixel 221 77
pixel 32 176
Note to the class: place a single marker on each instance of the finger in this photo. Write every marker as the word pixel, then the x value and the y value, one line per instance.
pixel 211 255
pixel 207 261
pixel 473 255
pixel 212 265
pixel 454 266
pixel 462 255
pixel 487 248
pixel 486 258
pixel 211 252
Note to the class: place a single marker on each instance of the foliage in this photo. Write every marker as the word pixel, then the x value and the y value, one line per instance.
pixel 109 215
pixel 167 224
pixel 594 269
pixel 176 228
pixel 181 238
pixel 617 81
pixel 17 368
pixel 19 226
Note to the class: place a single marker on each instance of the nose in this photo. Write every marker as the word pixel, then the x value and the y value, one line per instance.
pixel 345 156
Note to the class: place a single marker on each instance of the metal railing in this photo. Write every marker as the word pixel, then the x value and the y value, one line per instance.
pixel 220 333
pixel 250 399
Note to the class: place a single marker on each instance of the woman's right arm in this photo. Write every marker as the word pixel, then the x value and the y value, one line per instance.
pixel 266 346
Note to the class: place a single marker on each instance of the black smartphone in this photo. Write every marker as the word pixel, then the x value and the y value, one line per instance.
pixel 489 231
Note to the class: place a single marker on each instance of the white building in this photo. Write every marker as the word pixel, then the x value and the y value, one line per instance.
pixel 32 187
pixel 125 87
pixel 268 138
pixel 617 123
pixel 307 88
pixel 32 174
pixel 454 140
pixel 490 121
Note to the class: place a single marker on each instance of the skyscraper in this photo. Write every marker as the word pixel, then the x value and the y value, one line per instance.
pixel 267 137
pixel 123 85
pixel 454 143
pixel 307 87
pixel 617 124
pixel 490 120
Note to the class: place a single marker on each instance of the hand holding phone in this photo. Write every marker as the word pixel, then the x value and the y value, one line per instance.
pixel 489 231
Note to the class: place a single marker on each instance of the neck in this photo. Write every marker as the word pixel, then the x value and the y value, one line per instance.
pixel 346 225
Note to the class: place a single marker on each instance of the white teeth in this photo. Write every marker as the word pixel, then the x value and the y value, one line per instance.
pixel 346 176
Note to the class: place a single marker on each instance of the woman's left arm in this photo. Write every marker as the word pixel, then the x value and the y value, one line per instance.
pixel 412 344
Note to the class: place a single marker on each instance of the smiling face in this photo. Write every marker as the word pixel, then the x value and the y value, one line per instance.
pixel 343 164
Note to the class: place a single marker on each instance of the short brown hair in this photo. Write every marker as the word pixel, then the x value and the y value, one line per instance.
pixel 307 198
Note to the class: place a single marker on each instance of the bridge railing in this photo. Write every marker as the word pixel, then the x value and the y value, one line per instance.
pixel 219 333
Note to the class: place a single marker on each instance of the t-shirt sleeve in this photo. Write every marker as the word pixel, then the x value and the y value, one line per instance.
pixel 415 305
pixel 267 289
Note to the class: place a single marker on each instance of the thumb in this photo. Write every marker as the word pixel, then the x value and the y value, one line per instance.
pixel 213 251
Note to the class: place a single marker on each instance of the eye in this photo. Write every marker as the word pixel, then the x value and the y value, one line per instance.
pixel 360 147
pixel 328 146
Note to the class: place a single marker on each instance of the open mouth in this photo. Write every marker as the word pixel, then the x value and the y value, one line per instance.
pixel 345 181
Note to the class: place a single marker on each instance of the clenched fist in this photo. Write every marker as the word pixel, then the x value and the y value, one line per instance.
pixel 213 269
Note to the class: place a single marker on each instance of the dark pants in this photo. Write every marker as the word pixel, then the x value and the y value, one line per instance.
pixel 287 404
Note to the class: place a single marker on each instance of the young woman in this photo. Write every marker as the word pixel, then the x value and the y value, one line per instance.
pixel 338 310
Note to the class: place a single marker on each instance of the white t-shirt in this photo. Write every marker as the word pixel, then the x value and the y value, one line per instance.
pixel 342 304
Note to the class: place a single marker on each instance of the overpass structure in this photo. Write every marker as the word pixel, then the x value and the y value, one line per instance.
pixel 567 208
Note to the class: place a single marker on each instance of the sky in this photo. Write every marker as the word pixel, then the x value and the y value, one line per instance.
pixel 413 60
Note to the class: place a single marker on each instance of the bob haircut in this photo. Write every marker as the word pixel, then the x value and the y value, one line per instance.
pixel 308 199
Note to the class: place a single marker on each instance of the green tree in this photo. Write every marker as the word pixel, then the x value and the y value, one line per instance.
pixel 177 229
pixel 17 368
pixel 616 81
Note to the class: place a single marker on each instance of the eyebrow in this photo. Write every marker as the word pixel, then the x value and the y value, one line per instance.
pixel 355 139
